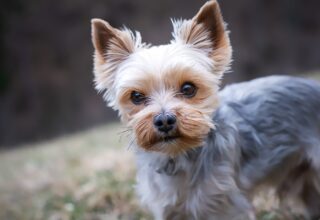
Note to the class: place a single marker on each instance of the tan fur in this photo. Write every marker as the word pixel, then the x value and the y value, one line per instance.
pixel 118 54
pixel 172 123
pixel 193 115
pixel 193 126
pixel 112 47
pixel 111 43
pixel 207 86
pixel 172 80
pixel 210 16
pixel 207 32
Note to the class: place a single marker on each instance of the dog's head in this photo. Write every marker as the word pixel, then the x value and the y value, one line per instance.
pixel 166 93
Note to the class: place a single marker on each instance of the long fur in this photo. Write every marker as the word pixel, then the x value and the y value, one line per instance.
pixel 266 130
pixel 225 145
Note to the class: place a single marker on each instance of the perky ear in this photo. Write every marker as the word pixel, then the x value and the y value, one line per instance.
pixel 110 42
pixel 207 32
pixel 112 47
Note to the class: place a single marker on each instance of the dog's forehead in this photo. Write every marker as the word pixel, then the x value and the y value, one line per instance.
pixel 158 60
pixel 167 56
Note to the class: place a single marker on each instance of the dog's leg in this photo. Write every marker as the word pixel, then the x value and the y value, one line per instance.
pixel 302 184
pixel 178 216
pixel 310 195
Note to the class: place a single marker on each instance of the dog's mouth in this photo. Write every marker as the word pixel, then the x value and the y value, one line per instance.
pixel 169 138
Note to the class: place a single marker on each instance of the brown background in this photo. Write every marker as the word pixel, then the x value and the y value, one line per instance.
pixel 46 77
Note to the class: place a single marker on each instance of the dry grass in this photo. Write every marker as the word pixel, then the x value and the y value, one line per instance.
pixel 87 176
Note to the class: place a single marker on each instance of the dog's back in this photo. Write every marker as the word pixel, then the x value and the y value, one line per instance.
pixel 278 119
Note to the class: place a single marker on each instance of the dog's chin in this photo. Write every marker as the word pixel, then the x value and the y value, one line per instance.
pixel 172 144
pixel 191 130
pixel 168 139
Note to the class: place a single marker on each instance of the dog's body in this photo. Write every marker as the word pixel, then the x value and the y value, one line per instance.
pixel 267 133
pixel 202 154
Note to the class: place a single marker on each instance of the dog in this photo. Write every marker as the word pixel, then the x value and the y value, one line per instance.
pixel 203 153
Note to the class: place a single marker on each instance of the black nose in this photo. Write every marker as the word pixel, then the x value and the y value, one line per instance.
pixel 164 122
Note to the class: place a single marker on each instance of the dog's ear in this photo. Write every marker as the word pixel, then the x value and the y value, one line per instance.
pixel 111 43
pixel 112 47
pixel 207 32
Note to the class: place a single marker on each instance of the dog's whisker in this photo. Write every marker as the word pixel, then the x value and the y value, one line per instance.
pixel 125 130
pixel 131 143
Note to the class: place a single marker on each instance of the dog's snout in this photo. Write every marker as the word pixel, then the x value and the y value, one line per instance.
pixel 164 122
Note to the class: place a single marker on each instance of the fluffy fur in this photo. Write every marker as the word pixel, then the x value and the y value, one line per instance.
pixel 224 145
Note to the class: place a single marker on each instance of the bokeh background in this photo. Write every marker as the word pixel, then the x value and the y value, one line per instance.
pixel 47 95
pixel 46 76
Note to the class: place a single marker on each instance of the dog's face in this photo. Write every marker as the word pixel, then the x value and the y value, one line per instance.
pixel 166 93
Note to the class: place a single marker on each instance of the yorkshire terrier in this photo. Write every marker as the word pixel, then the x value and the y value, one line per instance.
pixel 201 153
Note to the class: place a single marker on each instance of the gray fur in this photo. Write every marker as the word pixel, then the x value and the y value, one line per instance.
pixel 267 133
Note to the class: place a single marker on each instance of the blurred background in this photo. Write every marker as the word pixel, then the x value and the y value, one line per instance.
pixel 46 76
pixel 47 95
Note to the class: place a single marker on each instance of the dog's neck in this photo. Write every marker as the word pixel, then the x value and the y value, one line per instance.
pixel 167 165
pixel 170 166
pixel 218 146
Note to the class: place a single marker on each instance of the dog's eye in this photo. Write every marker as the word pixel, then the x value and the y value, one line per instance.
pixel 137 98
pixel 188 90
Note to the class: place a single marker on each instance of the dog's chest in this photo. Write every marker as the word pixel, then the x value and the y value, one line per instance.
pixel 161 193
pixel 164 186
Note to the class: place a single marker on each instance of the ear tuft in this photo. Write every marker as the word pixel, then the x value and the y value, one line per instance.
pixel 188 32
pixel 112 47
pixel 207 32
pixel 109 41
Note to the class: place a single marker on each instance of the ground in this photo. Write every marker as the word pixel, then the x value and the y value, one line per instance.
pixel 85 176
